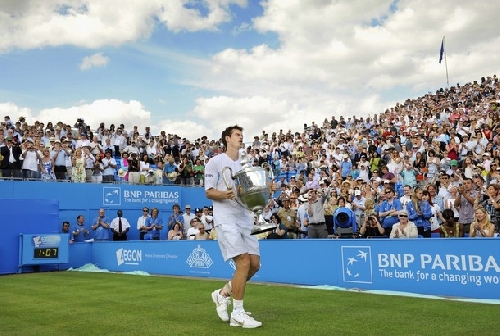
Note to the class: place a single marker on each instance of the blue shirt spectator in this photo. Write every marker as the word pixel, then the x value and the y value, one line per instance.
pixel 156 223
pixel 101 226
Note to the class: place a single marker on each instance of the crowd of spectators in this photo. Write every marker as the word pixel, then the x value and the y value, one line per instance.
pixel 423 156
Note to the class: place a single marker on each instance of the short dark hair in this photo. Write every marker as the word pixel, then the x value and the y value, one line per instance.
pixel 228 131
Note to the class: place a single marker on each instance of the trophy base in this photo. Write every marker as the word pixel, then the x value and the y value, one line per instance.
pixel 262 227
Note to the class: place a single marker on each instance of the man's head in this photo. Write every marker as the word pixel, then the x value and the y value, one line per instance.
pixel 228 132
pixel 188 208
pixel 407 190
pixel 119 213
pixel 65 226
pixel 198 212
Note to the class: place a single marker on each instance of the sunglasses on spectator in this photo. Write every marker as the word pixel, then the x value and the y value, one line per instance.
pixel 403 216
pixel 145 210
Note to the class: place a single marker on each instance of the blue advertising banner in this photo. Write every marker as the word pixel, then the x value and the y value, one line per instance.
pixel 98 195
pixel 449 267
pixel 453 267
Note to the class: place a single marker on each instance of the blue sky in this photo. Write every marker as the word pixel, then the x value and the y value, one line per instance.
pixel 192 67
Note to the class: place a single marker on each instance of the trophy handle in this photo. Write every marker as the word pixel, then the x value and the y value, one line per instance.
pixel 227 184
pixel 224 177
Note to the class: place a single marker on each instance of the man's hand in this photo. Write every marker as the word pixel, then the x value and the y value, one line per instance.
pixel 228 194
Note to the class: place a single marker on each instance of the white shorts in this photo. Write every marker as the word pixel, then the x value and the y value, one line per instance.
pixel 235 240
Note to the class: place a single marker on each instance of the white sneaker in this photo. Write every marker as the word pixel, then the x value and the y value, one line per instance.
pixel 244 320
pixel 221 304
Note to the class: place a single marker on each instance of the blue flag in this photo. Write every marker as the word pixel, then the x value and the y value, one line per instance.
pixel 441 51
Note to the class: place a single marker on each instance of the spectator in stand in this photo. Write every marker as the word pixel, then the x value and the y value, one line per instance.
pixel 465 201
pixel 146 173
pixel 389 210
pixel 371 226
pixel 315 211
pixel 186 171
pixel 80 233
pixel 420 212
pixel 155 224
pixel 101 226
pixel 83 141
pixel 358 206
pixel 108 146
pixel 176 217
pixel 58 155
pixel 142 223
pixel 187 216
pixel 281 230
pixel 288 217
pixel 492 205
pixel 404 228
pixel 30 158
pixel 481 226
pixel 170 171
pixel 193 229
pixel 202 234
pixel 133 169
pixel 119 226
pixel 78 166
pixel 97 171
pixel 89 163
pixel 119 141
pixel 176 233
pixel 450 228
pixel 108 167
pixel 199 172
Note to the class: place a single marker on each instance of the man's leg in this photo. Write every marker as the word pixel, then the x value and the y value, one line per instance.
pixel 246 266
pixel 241 275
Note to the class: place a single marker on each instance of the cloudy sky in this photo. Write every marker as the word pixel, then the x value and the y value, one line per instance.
pixel 192 67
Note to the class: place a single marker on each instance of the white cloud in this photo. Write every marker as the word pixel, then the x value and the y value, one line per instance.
pixel 95 60
pixel 29 24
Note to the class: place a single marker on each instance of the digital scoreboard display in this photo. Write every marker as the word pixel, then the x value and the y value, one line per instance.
pixel 46 252
pixel 37 249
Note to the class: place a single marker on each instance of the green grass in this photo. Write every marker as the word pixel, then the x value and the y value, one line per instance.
pixel 74 303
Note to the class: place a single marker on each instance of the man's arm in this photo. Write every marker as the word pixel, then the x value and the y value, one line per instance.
pixel 219 195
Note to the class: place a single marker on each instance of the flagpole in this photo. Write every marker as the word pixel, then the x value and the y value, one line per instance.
pixel 446 65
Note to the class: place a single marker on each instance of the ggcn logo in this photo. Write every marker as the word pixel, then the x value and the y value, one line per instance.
pixel 128 257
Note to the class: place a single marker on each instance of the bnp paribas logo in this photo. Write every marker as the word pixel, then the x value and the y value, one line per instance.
pixel 111 195
pixel 357 264
pixel 199 258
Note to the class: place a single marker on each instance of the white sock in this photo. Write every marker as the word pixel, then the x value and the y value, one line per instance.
pixel 238 306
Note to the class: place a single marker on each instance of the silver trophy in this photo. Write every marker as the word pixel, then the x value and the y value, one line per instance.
pixel 251 185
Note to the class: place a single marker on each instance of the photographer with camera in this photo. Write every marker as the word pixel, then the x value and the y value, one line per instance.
pixel 371 227
pixel 315 210
pixel 80 124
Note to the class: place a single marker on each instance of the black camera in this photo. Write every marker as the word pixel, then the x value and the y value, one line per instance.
pixel 79 120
